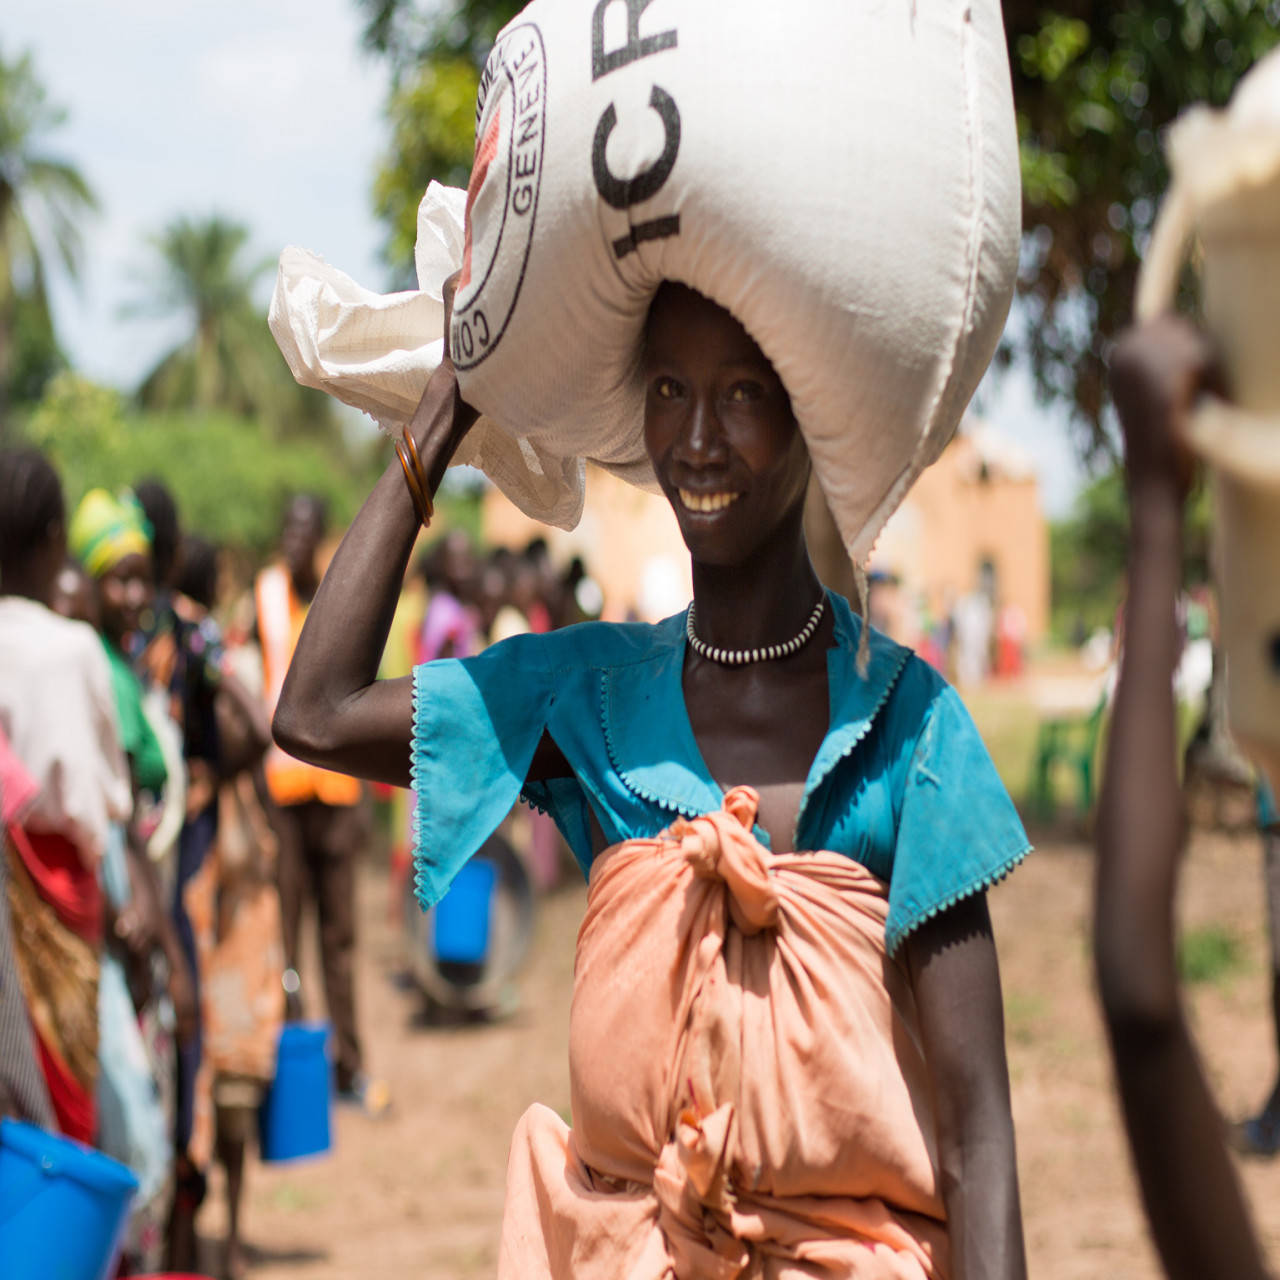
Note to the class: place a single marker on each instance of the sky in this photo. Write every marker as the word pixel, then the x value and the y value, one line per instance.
pixel 264 111
pixel 267 112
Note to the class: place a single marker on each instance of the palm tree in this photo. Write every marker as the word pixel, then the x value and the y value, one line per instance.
pixel 42 200
pixel 199 273
pixel 229 360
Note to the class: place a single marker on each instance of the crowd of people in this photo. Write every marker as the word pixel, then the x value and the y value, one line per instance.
pixel 455 603
pixel 139 858
pixel 158 851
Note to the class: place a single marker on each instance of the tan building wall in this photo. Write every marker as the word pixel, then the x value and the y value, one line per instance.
pixel 979 504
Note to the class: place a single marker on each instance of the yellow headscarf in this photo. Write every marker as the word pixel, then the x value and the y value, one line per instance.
pixel 105 529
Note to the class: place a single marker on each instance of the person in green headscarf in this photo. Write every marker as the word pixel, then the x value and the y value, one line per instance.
pixel 110 539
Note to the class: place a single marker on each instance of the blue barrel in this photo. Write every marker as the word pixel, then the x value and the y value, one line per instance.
pixel 460 932
pixel 63 1206
pixel 293 1121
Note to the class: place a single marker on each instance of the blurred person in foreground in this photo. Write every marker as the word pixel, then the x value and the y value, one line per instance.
pixel 319 816
pixel 450 626
pixel 136 1047
pixel 177 657
pixel 233 901
pixel 23 1093
pixel 148 1001
pixel 110 539
pixel 1190 1190
pixel 58 711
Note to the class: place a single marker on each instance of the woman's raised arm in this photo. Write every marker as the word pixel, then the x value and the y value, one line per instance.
pixel 1193 1199
pixel 333 710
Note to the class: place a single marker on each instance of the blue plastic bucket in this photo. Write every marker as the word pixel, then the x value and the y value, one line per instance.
pixel 63 1206
pixel 293 1121
pixel 460 932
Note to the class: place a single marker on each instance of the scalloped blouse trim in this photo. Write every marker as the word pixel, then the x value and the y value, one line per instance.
pixel 904 656
pixel 611 750
pixel 896 935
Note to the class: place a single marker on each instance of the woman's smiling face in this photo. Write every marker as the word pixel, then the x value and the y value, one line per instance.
pixel 718 427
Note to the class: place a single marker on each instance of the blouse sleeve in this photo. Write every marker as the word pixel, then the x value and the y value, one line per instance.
pixel 958 832
pixel 476 724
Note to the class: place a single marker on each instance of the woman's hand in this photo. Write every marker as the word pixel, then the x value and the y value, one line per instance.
pixel 1158 372
pixel 333 710
pixel 442 415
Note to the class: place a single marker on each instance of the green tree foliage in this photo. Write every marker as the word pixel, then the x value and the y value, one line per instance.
pixel 229 360
pixel 1088 552
pixel 436 53
pixel 432 116
pixel 36 355
pixel 1094 83
pixel 42 202
pixel 230 479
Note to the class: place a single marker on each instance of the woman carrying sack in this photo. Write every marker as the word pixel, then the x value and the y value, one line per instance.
pixel 786 1049
pixel 709 248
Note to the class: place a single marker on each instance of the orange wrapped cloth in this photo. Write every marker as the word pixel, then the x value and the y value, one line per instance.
pixel 750 1097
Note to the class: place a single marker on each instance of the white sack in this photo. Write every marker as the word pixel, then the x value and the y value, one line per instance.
pixel 1225 195
pixel 842 177
pixel 376 352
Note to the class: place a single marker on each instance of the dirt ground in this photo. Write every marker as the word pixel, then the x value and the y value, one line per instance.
pixel 420 1193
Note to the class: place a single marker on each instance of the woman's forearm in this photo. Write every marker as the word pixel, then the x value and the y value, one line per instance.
pixel 333 710
pixel 984 1215
pixel 1157 373
pixel 1140 817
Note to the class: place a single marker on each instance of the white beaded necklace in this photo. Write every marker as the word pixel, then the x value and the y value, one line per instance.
pixel 740 657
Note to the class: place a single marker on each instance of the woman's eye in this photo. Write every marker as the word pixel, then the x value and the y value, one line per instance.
pixel 744 392
pixel 666 388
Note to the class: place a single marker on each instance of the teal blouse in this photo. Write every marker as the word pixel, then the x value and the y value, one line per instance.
pixel 902 782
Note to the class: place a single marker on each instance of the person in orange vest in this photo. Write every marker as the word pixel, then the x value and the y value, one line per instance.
pixel 321 821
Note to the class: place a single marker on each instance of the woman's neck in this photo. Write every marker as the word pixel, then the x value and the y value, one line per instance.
pixel 763 600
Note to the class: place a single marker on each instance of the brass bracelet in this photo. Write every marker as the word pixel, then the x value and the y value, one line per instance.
pixel 420 502
pixel 424 485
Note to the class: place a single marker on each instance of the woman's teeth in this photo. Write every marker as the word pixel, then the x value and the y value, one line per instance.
pixel 706 501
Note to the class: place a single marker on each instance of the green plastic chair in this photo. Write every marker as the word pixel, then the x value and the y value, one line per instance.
pixel 1070 741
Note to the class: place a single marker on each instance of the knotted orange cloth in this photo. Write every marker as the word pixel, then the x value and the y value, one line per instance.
pixel 750 1098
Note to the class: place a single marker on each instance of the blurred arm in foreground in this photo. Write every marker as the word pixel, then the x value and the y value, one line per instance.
pixel 1192 1196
